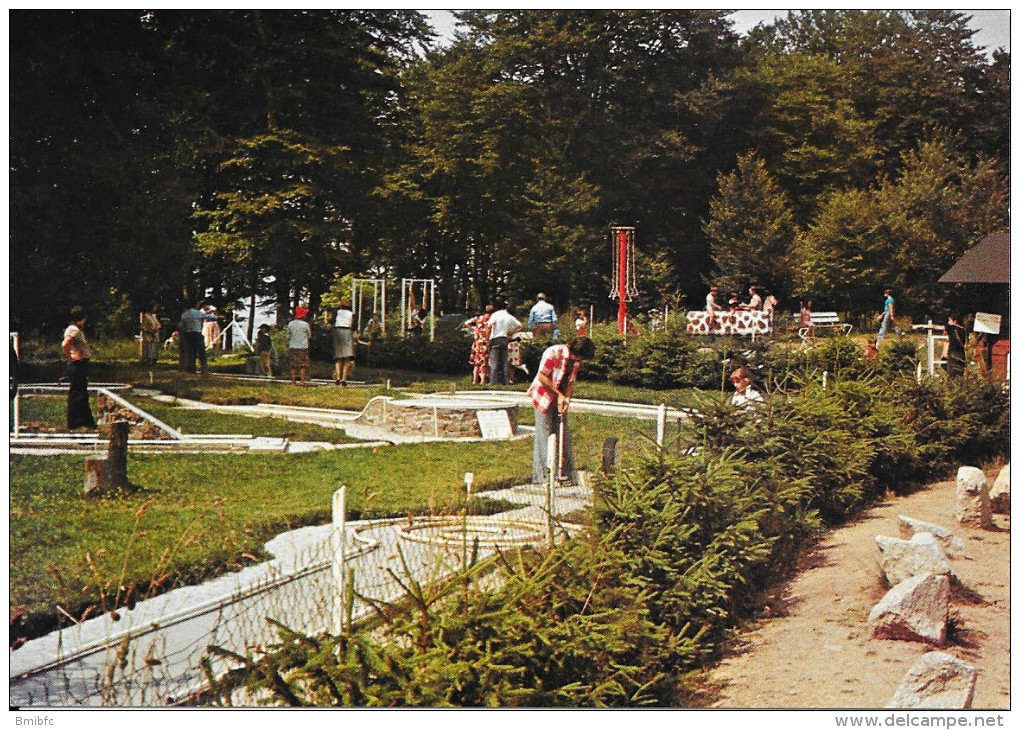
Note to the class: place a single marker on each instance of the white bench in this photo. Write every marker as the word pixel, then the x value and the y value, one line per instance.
pixel 825 319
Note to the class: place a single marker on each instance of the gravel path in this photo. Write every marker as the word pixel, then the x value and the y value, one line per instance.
pixel 815 652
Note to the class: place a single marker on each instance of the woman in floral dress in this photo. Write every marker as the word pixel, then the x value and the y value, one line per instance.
pixel 479 358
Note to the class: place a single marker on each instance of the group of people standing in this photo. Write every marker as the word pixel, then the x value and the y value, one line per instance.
pixel 299 343
pixel 496 349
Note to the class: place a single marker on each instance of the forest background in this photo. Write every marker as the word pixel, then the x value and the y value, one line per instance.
pixel 161 155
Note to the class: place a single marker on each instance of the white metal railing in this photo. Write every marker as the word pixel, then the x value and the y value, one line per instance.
pixel 931 339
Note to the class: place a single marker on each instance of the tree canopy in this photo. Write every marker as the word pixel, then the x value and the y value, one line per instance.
pixel 169 154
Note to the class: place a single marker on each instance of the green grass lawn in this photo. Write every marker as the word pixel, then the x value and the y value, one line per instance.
pixel 203 514
pixel 198 515
pixel 46 411
pixel 50 412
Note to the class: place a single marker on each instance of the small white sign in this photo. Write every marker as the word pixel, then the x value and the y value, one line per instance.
pixel 988 323
pixel 494 424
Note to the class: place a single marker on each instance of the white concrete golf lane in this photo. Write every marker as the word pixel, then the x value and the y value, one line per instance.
pixel 158 645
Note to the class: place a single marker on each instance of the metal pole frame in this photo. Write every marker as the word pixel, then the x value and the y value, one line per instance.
pixel 552 457
pixel 431 295
pixel 357 296
pixel 338 542
pixel 17 396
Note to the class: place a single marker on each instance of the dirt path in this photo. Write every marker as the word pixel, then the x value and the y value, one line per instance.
pixel 816 653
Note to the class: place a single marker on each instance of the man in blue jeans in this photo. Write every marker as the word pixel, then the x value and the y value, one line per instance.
pixel 550 394
pixel 888 317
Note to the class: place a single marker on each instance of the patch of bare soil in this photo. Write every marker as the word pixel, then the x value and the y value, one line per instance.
pixel 815 650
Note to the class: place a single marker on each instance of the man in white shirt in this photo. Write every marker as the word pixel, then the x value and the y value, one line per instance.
pixel 192 342
pixel 502 324
pixel 299 339
pixel 711 305
pixel 755 303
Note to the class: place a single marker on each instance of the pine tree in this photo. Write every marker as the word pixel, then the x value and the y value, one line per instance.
pixel 751 229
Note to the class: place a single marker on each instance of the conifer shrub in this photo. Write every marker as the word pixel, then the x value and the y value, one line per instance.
pixel 898 356
pixel 669 360
pixel 569 628
pixel 680 546
pixel 689 530
pixel 839 356
pixel 956 422
pixel 877 417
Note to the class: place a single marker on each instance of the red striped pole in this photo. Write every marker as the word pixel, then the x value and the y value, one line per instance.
pixel 622 283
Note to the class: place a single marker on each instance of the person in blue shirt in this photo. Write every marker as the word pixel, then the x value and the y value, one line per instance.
pixel 888 317
pixel 542 319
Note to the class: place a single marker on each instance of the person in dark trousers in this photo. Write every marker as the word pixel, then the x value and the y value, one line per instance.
pixel 264 350
pixel 502 325
pixel 12 375
pixel 192 339
pixel 955 352
pixel 76 349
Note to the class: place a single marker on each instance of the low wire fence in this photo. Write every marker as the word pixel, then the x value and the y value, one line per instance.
pixel 170 649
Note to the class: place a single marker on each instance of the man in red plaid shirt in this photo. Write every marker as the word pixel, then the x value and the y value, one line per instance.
pixel 550 394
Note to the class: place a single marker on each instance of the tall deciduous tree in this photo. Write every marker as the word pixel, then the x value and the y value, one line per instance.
pixel 808 127
pixel 292 160
pixel 908 72
pixel 98 213
pixel 540 129
pixel 906 232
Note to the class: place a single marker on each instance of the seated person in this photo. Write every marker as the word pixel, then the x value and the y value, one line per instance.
pixel 745 395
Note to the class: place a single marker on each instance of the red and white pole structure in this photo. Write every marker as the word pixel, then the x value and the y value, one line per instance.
pixel 621 276
pixel 623 286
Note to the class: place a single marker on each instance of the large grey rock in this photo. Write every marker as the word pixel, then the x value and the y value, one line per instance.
pixel 916 609
pixel 920 555
pixel 973 508
pixel 998 495
pixel 936 681
pixel 951 545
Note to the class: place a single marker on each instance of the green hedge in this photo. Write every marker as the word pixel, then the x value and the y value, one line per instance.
pixel 665 361
pixel 447 354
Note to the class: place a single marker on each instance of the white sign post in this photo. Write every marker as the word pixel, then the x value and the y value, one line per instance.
pixel 338 542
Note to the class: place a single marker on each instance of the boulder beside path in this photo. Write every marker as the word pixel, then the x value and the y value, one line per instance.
pixel 936 681
pixel 951 545
pixel 973 507
pixel 916 609
pixel 920 555
pixel 998 495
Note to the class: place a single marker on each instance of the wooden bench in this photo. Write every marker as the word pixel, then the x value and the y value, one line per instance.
pixel 825 319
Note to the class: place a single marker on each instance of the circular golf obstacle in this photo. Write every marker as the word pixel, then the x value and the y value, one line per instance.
pixel 487 531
